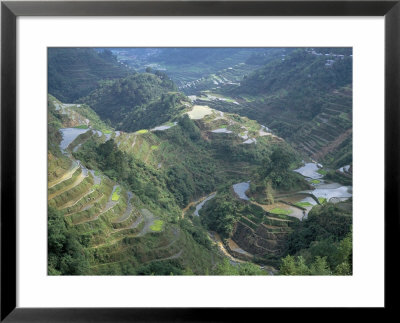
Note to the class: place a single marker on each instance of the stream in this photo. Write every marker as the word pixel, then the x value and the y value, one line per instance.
pixel 69 135
pixel 331 192
pixel 201 204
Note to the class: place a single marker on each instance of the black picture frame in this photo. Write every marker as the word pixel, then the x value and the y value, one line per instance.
pixel 10 10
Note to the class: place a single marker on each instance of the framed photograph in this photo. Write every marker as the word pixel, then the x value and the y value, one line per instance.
pixel 186 160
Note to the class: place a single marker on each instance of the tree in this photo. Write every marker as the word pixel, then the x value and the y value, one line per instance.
pixel 66 255
pixel 294 266
pixel 269 193
pixel 320 267
pixel 343 269
pixel 225 269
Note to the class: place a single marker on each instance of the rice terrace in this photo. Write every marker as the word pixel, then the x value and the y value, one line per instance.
pixel 200 161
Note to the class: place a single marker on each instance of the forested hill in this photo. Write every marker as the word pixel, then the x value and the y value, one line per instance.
pixel 138 101
pixel 304 96
pixel 123 98
pixel 203 55
pixel 143 180
pixel 297 81
pixel 185 64
pixel 74 72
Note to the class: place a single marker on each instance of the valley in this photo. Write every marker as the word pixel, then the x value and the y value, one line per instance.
pixel 146 180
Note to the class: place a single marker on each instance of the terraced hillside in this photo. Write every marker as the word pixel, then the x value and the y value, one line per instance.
pixel 143 180
pixel 248 231
pixel 227 77
pixel 127 221
pixel 120 234
pixel 305 97
pixel 324 134
pixel 187 66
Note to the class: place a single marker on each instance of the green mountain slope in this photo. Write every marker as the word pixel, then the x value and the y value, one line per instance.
pixel 185 64
pixel 305 96
pixel 121 196
pixel 143 180
pixel 74 72
pixel 138 101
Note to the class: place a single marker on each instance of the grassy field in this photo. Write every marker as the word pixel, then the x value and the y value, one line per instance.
pixel 157 226
pixel 199 112
pixel 116 195
pixel 303 204
pixel 278 210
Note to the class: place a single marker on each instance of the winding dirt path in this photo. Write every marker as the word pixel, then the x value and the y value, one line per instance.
pixel 175 256
pixel 128 210
pixel 134 141
pixel 217 239
pixel 88 206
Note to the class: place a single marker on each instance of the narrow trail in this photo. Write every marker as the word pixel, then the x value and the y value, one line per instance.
pixel 217 239
pixel 148 217
pixel 128 210
pixel 96 217
pixel 134 141
pixel 176 232
pixel 64 177
pixel 88 206
pixel 271 270
pixel 109 205
pixel 72 203
pixel 233 246
pixel 93 202
pixel 277 219
pixel 147 157
pixel 79 180
pixel 263 206
pixel 134 225
pixel 175 256
pixel 106 244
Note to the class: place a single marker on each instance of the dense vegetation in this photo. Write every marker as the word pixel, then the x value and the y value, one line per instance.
pixel 200 55
pixel 221 213
pixel 185 64
pixel 277 170
pixel 74 72
pixel 322 244
pixel 54 123
pixel 135 102
pixel 304 78
pixel 305 96
pixel 66 253
pixel 122 195
pixel 164 109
